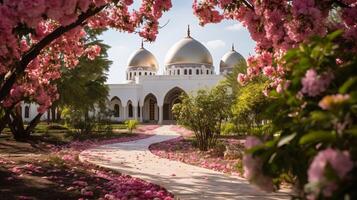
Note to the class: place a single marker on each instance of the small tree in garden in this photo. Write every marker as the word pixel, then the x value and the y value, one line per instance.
pixel 40 37
pixel 204 114
pixel 307 50
pixel 131 125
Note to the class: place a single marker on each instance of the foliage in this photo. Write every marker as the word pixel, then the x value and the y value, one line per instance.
pixel 313 135
pixel 311 68
pixel 249 105
pixel 228 128
pixel 204 113
pixel 131 125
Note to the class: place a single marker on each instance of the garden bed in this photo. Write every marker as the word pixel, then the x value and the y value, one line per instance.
pixel 43 170
pixel 183 149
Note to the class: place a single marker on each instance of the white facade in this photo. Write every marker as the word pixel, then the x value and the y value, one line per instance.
pixel 149 97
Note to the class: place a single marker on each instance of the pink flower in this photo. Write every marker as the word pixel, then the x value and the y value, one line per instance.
pixel 241 78
pixel 339 161
pixel 253 167
pixel 268 71
pixel 314 84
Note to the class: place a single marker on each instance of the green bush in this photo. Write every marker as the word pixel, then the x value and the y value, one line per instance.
pixel 228 128
pixel 203 113
pixel 131 125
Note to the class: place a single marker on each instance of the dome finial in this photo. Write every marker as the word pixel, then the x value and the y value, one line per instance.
pixel 232 46
pixel 142 43
pixel 188 31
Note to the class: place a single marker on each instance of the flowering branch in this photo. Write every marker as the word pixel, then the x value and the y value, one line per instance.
pixel 20 67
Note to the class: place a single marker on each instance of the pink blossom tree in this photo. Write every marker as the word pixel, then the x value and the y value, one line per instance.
pixel 307 51
pixel 39 37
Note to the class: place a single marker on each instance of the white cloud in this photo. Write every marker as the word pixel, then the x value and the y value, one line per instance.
pixel 234 27
pixel 215 44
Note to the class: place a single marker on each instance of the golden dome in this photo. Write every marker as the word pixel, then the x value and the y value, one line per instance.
pixel 188 51
pixel 143 58
pixel 231 59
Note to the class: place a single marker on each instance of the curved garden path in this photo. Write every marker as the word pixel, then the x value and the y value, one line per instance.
pixel 183 180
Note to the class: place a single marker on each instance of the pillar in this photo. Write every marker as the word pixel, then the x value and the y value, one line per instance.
pixel 141 113
pixel 161 113
pixel 135 112
pixel 125 113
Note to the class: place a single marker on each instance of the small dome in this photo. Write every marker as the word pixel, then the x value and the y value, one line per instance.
pixel 143 58
pixel 230 60
pixel 188 51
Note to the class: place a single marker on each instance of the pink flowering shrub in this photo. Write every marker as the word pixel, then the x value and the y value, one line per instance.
pixel 306 49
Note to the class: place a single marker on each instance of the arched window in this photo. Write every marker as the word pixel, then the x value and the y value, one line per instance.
pixel 185 72
pixel 139 73
pixel 146 73
pixel 27 112
pixel 130 75
pixel 190 71
pixel 130 110
pixel 178 72
pixel 116 110
pixel 197 71
pixel 207 72
pixel 134 73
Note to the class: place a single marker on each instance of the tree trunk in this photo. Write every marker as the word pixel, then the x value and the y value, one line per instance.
pixel 16 125
pixel 34 122
pixel 3 121
pixel 53 113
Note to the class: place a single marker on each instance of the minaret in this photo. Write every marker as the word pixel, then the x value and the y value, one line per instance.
pixel 188 31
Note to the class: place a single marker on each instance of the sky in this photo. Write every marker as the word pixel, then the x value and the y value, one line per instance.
pixel 218 38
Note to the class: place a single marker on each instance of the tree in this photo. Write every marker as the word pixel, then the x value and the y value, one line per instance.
pixel 204 113
pixel 307 50
pixel 81 88
pixel 40 36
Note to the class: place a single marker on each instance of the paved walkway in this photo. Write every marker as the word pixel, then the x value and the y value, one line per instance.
pixel 185 181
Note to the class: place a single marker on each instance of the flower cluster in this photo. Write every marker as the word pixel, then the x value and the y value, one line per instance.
pixel 338 161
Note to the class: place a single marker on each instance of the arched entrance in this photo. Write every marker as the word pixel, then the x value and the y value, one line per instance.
pixel 117 108
pixel 171 98
pixel 150 108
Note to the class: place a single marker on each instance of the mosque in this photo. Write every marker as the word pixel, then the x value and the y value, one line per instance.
pixel 149 97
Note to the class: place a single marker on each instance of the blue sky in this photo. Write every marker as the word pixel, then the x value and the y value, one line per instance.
pixel 218 38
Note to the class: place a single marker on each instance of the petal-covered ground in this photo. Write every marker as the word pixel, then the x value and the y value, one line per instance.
pixel 182 149
pixel 58 174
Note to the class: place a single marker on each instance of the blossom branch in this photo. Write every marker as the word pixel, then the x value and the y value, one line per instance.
pixel 20 67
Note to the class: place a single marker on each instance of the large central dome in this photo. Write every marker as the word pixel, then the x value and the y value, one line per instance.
pixel 188 51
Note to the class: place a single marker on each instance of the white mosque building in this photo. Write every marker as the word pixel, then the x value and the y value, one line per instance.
pixel 149 97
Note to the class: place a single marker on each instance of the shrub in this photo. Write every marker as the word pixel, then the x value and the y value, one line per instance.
pixel 131 125
pixel 228 128
pixel 204 113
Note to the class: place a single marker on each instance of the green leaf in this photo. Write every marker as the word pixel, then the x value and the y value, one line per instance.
pixel 286 139
pixel 347 85
pixel 334 35
pixel 352 131
pixel 317 136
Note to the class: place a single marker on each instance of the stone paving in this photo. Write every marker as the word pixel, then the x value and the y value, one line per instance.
pixel 183 180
